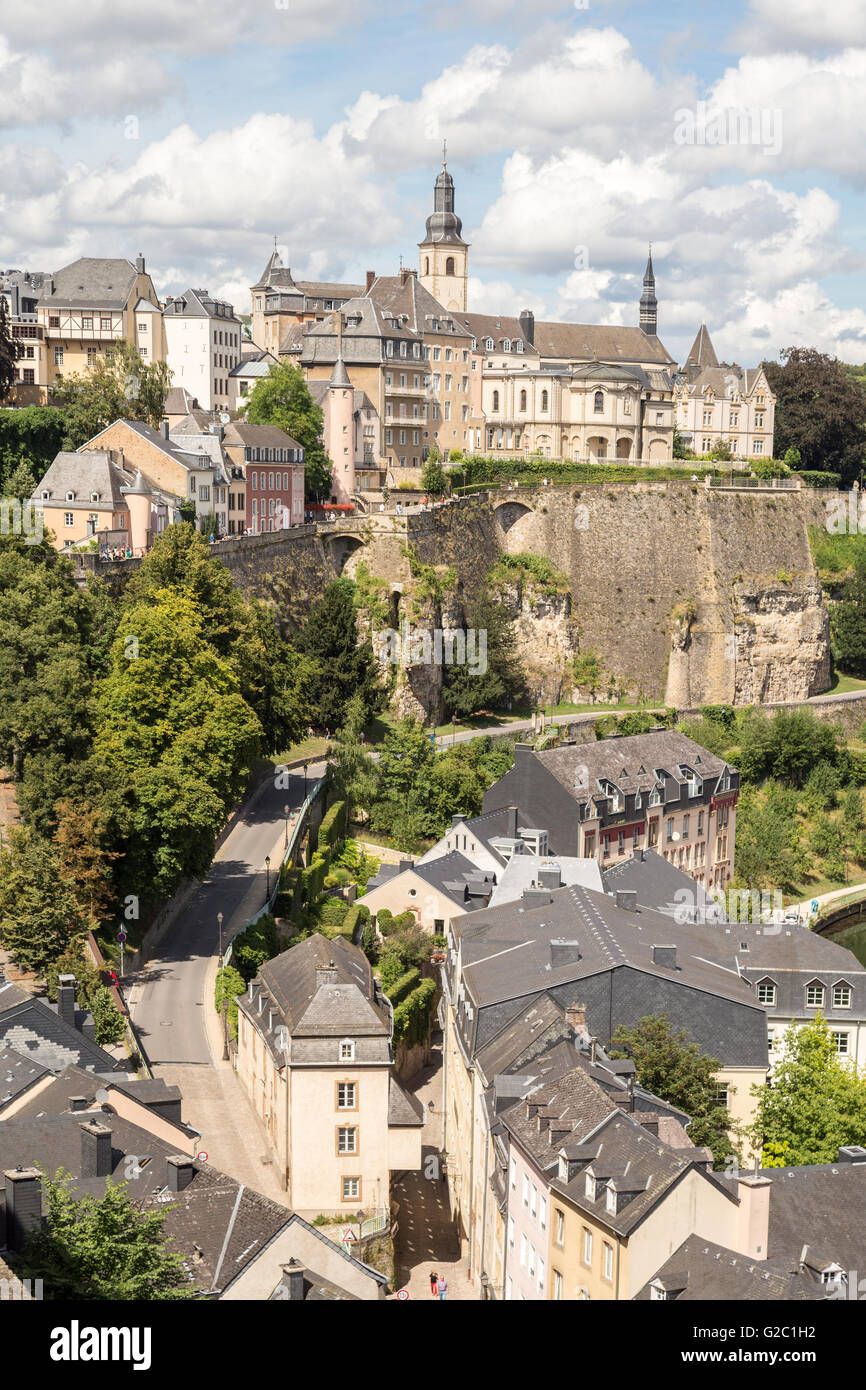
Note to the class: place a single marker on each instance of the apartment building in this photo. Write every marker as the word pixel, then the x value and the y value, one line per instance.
pixel 203 345
pixel 89 497
pixel 279 302
pixel 190 476
pixel 314 1058
pixel 717 402
pixel 267 478
pixel 613 797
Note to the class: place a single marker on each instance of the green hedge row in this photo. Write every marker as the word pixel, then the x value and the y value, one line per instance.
pixel 333 826
pixel 254 945
pixel 411 1017
pixel 813 477
pixel 404 985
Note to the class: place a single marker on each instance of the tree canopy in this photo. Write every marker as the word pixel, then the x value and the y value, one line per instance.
pixel 282 398
pixel 816 1104
pixel 119 386
pixel 820 411
pixel 341 666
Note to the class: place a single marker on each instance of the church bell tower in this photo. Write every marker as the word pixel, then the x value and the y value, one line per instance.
pixel 444 255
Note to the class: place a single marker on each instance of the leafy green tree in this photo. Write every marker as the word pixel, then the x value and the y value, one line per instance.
pixel 674 1069
pixel 230 985
pixel 282 398
pixel 84 858
pixel 821 792
pixel 848 621
pixel 350 767
pixel 816 1104
pixel 87 981
pixel 827 842
pixel 39 916
pixel 108 1024
pixel 8 354
pixel 587 673
pixel 768 850
pixel 21 482
pixel 787 746
pixel 30 435
pixel 403 803
pixel 101 1248
pixel 433 474
pixel 820 411
pixel 493 680
pixel 343 666
pixel 121 386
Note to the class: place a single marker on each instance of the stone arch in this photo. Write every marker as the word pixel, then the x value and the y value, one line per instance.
pixel 658 451
pixel 507 513
pixel 341 547
pixel 623 448
pixel 597 446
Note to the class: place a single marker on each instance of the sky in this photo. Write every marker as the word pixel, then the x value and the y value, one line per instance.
pixel 199 131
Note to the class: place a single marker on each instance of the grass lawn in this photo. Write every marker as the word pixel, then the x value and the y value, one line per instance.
pixel 812 886
pixel 841 684
pixel 378 727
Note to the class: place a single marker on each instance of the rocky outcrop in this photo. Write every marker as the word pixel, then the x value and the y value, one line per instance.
pixel 546 637
pixel 781 647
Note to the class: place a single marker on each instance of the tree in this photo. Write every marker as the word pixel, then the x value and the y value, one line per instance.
pixel 102 1248
pixel 84 860
pixel 108 1024
pixel 673 1068
pixel 848 621
pixel 587 673
pixel 788 746
pixel 350 768
pixel 21 482
pixel 282 398
pixel 121 386
pixel 402 808
pixel 768 850
pixel 341 665
pixel 8 354
pixel 722 451
pixel 87 981
pixel 820 411
pixel 816 1104
pixel 493 680
pixel 680 448
pixel 433 474
pixel 39 916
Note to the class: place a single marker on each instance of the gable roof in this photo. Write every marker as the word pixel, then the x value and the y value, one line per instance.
pixel 660 885
pixel 258 436
pixel 32 1028
pixel 18 1074
pixel 702 353
pixel 291 982
pixel 406 295
pixel 609 343
pixel 153 437
pixel 630 762
pixel 92 282
pixel 700 1269
pixel 83 474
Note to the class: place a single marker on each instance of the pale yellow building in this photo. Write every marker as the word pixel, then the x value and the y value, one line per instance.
pixel 718 402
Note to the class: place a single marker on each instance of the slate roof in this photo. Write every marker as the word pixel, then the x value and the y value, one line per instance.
pixel 154 438
pixel 91 282
pixel 258 436
pixel 822 1206
pixel 502 822
pixel 199 304
pixel 362 341
pixel 290 981
pixel 18 1074
pixel 82 474
pixel 413 299
pixel 620 760
pixel 72 1081
pixel 499 327
pixel 403 1109
pixel 179 401
pixel 702 353
pixel 699 1269
pixel 329 289
pixel 660 885
pixel 457 877
pixel 608 343
pixel 31 1027
pixel 522 872
pixel 318 389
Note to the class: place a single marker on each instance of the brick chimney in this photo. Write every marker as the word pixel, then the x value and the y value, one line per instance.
pixel 527 324
pixel 404 274
pixel 66 999
pixel 575 1017
pixel 665 956
pixel 23 1205
pixel 371 276
pixel 77 1103
pixel 753 1193
pixel 292 1281
pixel 626 899
pixel 95 1150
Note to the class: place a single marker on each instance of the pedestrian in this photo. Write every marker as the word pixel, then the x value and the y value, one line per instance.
pixel 434 1281
pixel 442 1287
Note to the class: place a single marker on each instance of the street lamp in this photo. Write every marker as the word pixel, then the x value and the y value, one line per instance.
pixel 220 921
pixel 305 781
pixel 268 872
pixel 286 814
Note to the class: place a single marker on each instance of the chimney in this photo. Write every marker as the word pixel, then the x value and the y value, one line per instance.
pixel 533 896
pixel 852 1153
pixel 575 1016
pixel 753 1194
pixel 292 1281
pixel 404 274
pixel 649 1120
pixel 527 324
pixel 326 975
pixel 550 876
pixel 371 276
pixel 405 864
pixel 139 263
pixel 95 1150
pixel 665 956
pixel 165 429
pixel 66 999
pixel 180 1172
pixel 23 1205
pixel 337 321
pixel 564 952
pixel 626 899
pixel 457 819
pixel 77 1103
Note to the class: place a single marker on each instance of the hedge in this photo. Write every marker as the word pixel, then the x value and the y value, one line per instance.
pixel 403 986
pixel 813 477
pixel 411 1017
pixel 333 826
pixel 253 946
pixel 388 923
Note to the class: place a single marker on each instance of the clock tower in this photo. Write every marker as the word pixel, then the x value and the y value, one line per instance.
pixel 444 255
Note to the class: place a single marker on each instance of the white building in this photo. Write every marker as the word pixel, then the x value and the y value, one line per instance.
pixel 203 345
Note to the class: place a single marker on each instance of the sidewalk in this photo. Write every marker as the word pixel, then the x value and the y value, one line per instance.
pixel 427 1238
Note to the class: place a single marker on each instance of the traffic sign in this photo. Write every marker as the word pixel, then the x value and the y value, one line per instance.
pixel 814 904
pixel 121 935
pixel 348 1235
pixel 403 1294
pixel 202 1156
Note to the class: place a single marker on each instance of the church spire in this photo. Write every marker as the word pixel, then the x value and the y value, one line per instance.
pixel 648 301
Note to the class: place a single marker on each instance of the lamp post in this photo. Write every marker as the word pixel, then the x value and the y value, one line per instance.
pixel 286 814
pixel 220 922
pixel 305 781
pixel 268 873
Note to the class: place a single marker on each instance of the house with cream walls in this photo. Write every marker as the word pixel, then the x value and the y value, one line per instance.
pixel 314 1058
pixel 717 402
pixel 203 345
pixel 88 497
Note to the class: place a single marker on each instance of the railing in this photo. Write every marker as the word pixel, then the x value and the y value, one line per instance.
pixel 790 484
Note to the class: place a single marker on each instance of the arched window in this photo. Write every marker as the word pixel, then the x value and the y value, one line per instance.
pixel 544 400
pixel 488 343
pixel 449 265
pixel 495 400
pixel 523 400
pixel 506 345
pixel 599 401
pixel 518 346
pixel 426 265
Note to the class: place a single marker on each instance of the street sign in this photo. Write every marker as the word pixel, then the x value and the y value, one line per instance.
pixel 348 1235
pixel 814 904
pixel 201 1156
pixel 403 1294
pixel 121 935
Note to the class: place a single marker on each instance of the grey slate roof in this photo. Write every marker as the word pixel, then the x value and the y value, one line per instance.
pixel 31 1027
pixel 620 760
pixel 199 304
pixel 410 298
pixel 290 982
pixel 608 343
pixel 258 436
pixel 702 353
pixel 522 872
pixel 701 1270
pixel 458 878
pixel 18 1074
pixel 179 401
pixel 658 883
pixel 822 1206
pixel 403 1109
pixel 154 438
pixel 91 282
pixel 82 474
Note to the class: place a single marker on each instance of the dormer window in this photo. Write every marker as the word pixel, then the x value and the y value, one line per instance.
pixel 518 346
pixel 589 1187
pixel 506 345
pixel 94 496
pixel 655 798
pixel 488 343
pixel 767 993
pixel 70 496
pixel 724 781
pixel 658 1293
pixel 562 1171
pixel 610 1200
pixel 841 995
pixel 347 1050
pixel 815 995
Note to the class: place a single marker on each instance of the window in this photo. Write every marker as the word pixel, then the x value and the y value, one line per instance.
pixel 347 1098
pixel 598 403
pixel 840 1042
pixel 814 996
pixel 542 1215
pixel 509 1286
pixel 700 822
pixel 533 1199
pixel 669 832
pixel 86 322
pixel 347 1050
pixel 608 1261
pixel 841 996
pixel 488 343
pixel 766 992
pixel 587 1246
pixel 523 400
pixel 495 400
pixel 523 1252
pixel 105 323
pixel 449 265
pixel 351 1189
pixel 69 519
pixel 513 1173
pixel 771 1038
pixel 525 1190
pixel 58 357
pixel 559 1230
pixel 544 400
pixel 347 1139
pixel 511 1230
pixel 540 1272
pixel 557 1286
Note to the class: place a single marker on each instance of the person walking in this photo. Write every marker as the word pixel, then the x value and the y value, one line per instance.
pixel 434 1283
pixel 442 1287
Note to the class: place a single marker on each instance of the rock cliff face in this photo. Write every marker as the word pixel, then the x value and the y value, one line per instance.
pixel 686 595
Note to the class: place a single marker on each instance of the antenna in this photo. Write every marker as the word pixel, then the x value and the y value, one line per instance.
pixel 444 153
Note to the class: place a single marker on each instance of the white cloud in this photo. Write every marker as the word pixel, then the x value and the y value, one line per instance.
pixel 800 315
pixel 785 25
pixel 503 297
pixel 34 88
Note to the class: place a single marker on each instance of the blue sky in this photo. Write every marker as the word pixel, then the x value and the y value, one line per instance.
pixel 565 128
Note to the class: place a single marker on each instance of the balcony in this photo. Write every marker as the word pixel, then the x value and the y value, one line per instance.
pixel 415 391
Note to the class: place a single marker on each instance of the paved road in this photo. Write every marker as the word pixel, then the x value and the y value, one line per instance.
pixel 169 998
